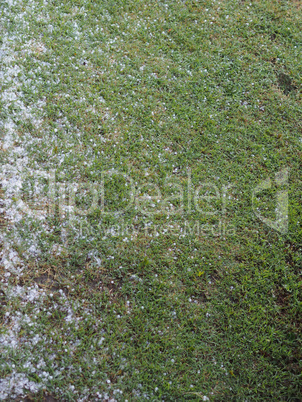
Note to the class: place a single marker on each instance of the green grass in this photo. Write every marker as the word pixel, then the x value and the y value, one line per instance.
pixel 171 299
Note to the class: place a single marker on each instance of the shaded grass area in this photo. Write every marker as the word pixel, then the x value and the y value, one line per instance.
pixel 180 95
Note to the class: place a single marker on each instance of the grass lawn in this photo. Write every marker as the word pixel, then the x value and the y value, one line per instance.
pixel 150 201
